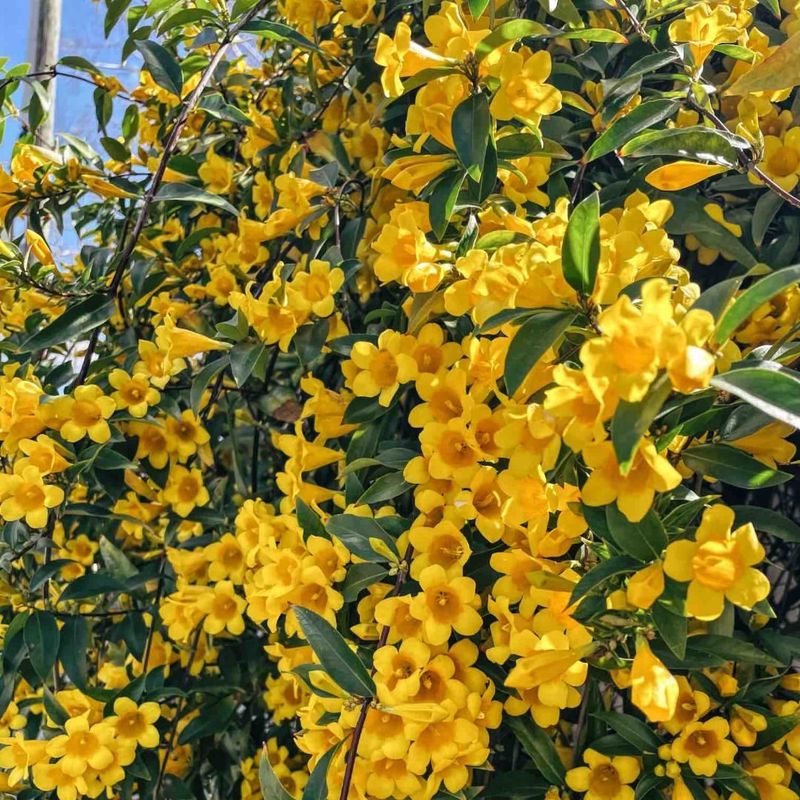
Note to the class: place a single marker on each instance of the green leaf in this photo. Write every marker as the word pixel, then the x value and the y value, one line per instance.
pixel 534 337
pixel 243 358
pixel 73 650
pixel 359 577
pixel 580 252
pixel 631 729
pixel 213 719
pixel 76 321
pixel 539 746
pixel 186 193
pixel 193 239
pixel 90 585
pixel 644 540
pixel 604 571
pixel 511 31
pixel 638 119
pixel 602 35
pixel 309 520
pixel 317 786
pixel 673 628
pixel 354 532
pixel 733 649
pixel 162 66
pixel 632 420
pixel 215 106
pixel 768 521
pixel 716 298
pixel 117 563
pixel 385 488
pixel 443 199
pixel 767 206
pixel 42 639
pixel 271 786
pixel 203 378
pixel 279 32
pixel 732 466
pixel 769 387
pixel 79 63
pixel 752 298
pixel 518 145
pixel 471 126
pixel 477 7
pixel 695 143
pixel 735 779
pixel 337 659
pixel 777 728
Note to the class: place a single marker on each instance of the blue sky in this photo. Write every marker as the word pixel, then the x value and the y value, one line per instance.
pixel 81 34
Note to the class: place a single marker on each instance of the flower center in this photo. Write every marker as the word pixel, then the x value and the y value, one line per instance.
pixel 716 565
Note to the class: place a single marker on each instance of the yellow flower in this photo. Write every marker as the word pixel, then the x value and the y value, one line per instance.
pixel 216 173
pixel 604 778
pixel 225 559
pixel 38 246
pixel 654 689
pixel 18 755
pixel 443 544
pixel 83 414
pixel 43 453
pixel 83 746
pixel 445 605
pixel 704 745
pixel 315 290
pixel 26 496
pixel 691 705
pixel 134 393
pixel 185 490
pixel 718 565
pixel 414 173
pixel 634 492
pixel 524 93
pixel 182 343
pixel 646 586
pixel 378 370
pixel 223 609
pixel 185 435
pixel 136 722
pixel 703 27
pixel 401 58
pixel 781 160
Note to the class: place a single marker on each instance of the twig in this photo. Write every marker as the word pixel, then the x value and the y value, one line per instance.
pixel 350 763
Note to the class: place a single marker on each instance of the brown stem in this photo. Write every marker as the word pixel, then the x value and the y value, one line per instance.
pixel 350 763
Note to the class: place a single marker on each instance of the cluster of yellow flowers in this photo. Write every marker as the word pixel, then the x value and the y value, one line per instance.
pixel 406 426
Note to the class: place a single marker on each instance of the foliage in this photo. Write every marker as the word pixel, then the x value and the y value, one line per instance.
pixel 415 419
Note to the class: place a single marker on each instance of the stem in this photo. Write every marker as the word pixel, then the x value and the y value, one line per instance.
pixel 350 763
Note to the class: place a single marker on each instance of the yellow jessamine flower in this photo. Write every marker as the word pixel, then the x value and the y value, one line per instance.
pixel 134 392
pixel 378 370
pixel 718 565
pixel 604 777
pixel 135 722
pixel 26 496
pixel 704 745
pixel 703 27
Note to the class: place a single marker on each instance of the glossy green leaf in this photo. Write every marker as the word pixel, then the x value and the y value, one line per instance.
pixel 90 585
pixel 631 729
pixel 271 786
pixel 696 143
pixel 387 487
pixel 533 338
pixel 767 521
pixel 42 639
pixel 769 387
pixel 632 420
pixel 644 116
pixel 539 746
pixel 336 657
pixel 443 200
pixel 73 650
pixel 186 193
pixel 471 126
pixel 213 720
pixel 360 577
pixel 580 252
pixel 673 628
pixel 279 32
pixel 355 532
pixel 162 65
pixel 644 540
pixel 604 571
pixel 732 466
pixel 511 31
pixel 752 298
pixel 77 321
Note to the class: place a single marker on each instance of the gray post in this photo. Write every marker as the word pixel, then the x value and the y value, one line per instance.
pixel 44 30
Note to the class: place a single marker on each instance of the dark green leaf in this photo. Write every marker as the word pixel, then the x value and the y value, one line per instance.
pixel 186 193
pixel 279 32
pixel 732 649
pixel 213 719
pixel 317 786
pixel 752 298
pixel 631 729
pixel 732 466
pixel 385 488
pixel 42 638
pixel 337 659
pixel 76 321
pixel 695 143
pixel 271 786
pixel 359 577
pixel 90 585
pixel 511 31
pixel 539 746
pixel 769 387
pixel 673 628
pixel 580 252
pixel 73 650
pixel 644 540
pixel 309 520
pixel 777 728
pixel 604 571
pixel 443 199
pixel 355 532
pixel 162 66
pixel 638 119
pixel 632 420
pixel 534 337
pixel 471 125
pixel 244 358
pixel 203 379
pixel 771 522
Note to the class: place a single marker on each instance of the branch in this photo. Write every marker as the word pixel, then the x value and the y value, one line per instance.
pixel 129 243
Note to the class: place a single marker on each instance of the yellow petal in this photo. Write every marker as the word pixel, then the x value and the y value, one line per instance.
pixel 682 174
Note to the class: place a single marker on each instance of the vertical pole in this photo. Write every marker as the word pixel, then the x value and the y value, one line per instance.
pixel 44 30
